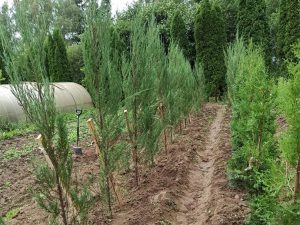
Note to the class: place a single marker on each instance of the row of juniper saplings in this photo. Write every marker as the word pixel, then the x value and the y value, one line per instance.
pixel 110 178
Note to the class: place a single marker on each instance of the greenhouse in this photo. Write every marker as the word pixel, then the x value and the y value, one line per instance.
pixel 68 97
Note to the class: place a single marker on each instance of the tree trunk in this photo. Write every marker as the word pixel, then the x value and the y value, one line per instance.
pixel 107 184
pixel 165 140
pixel 136 169
pixel 61 201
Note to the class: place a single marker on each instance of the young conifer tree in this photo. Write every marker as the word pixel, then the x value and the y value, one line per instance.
pixel 233 58
pixel 154 85
pixel 26 59
pixel 105 86
pixel 182 86
pixel 288 98
pixel 144 92
pixel 199 94
pixel 253 117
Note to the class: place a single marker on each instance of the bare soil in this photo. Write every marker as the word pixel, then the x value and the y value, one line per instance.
pixel 187 184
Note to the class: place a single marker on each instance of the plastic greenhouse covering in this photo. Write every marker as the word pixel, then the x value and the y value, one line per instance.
pixel 68 97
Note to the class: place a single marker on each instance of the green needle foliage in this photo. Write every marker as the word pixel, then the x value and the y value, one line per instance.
pixel 252 21
pixel 253 118
pixel 70 201
pixel 25 60
pixel 56 58
pixel 289 30
pixel 288 98
pixel 185 90
pixel 210 38
pixel 254 164
pixel 105 86
pixel 179 32
pixel 234 57
pixel 144 90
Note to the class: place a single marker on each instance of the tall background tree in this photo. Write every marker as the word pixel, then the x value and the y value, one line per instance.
pixel 210 38
pixel 289 29
pixel 70 19
pixel 57 60
pixel 252 21
pixel 179 32
pixel 5 20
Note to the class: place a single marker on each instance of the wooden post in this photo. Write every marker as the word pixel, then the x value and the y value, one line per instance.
pixel 128 127
pixel 134 145
pixel 91 126
pixel 162 114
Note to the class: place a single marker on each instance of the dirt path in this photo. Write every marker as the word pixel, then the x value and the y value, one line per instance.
pixel 208 200
pixel 189 184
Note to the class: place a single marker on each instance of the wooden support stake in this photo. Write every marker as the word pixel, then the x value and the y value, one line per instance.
pixel 162 114
pixel 134 145
pixel 91 126
pixel 39 140
pixel 128 127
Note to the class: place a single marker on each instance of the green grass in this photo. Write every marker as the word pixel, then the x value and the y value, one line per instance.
pixel 11 129
pixel 10 215
pixel 14 153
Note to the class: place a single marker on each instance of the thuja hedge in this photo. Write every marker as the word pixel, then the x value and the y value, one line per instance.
pixel 268 170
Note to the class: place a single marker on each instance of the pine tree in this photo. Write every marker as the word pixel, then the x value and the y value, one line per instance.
pixel 252 21
pixel 210 37
pixel 182 87
pixel 49 58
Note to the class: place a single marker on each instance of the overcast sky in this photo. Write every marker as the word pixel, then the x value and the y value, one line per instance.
pixel 116 5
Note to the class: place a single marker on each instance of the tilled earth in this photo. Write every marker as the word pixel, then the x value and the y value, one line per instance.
pixel 187 185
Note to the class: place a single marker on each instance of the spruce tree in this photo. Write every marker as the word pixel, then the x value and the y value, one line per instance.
pixel 252 21
pixel 210 37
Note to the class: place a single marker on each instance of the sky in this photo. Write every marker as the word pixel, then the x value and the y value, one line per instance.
pixel 116 5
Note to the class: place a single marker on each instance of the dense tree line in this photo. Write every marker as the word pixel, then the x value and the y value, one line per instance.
pixel 117 60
